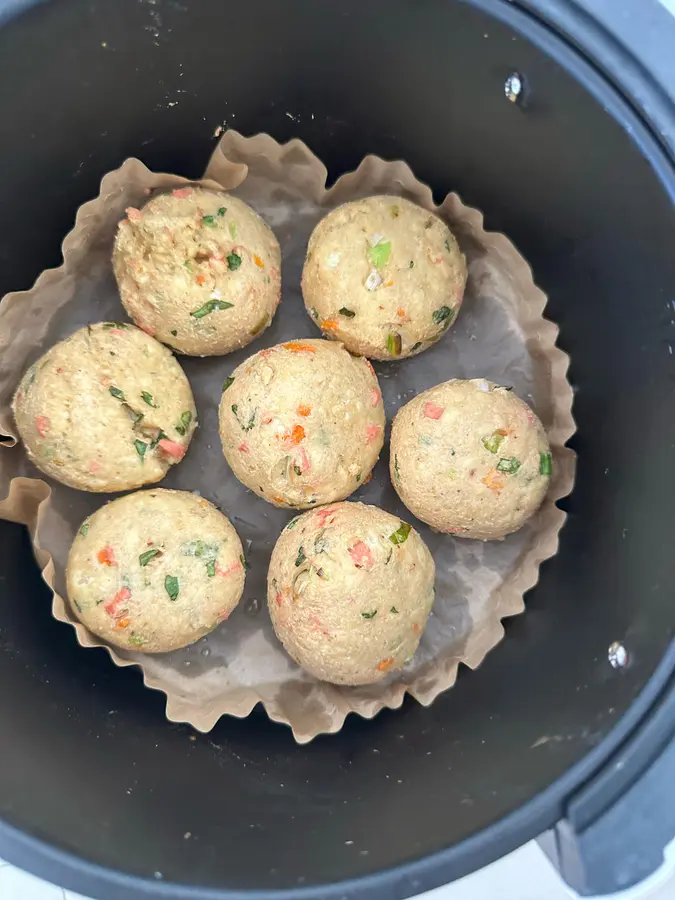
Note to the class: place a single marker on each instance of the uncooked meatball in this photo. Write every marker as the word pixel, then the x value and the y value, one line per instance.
pixel 470 458
pixel 383 276
pixel 199 270
pixel 108 409
pixel 155 570
pixel 349 590
pixel 302 423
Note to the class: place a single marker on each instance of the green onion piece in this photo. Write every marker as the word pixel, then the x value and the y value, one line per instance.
pixel 228 383
pixel 222 210
pixel 443 316
pixel 209 307
pixel 400 536
pixel 174 332
pixel 545 464
pixel 394 610
pixel 416 346
pixel 369 615
pixel 184 424
pixel 140 448
pixel 189 265
pixel 85 529
pixel 493 442
pixel 379 254
pixel 291 525
pixel 209 221
pixel 349 313
pixel 211 568
pixel 233 261
pixel 107 326
pixel 314 312
pixel 136 640
pixel 394 344
pixel 510 466
pixel 136 417
pixel 145 558
pixel 242 560
pixel 148 398
pixel 301 557
pixel 172 586
pixel 117 393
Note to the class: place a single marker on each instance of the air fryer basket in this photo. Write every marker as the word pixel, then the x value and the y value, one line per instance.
pixel 97 790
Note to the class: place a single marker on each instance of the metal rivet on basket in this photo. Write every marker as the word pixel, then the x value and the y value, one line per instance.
pixel 513 87
pixel 618 655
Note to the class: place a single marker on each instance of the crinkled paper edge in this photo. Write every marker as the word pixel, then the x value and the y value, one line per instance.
pixel 25 499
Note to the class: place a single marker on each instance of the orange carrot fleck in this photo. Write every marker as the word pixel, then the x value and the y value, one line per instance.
pixel 295 435
pixel 133 214
pixel 303 410
pixel 400 312
pixel 200 280
pixel 279 500
pixel 389 283
pixel 329 325
pixel 106 556
pixel 181 193
pixel 43 425
pixel 123 623
pixel 259 263
pixel 299 347
pixel 494 481
pixel 372 433
pixel 385 664
pixel 503 431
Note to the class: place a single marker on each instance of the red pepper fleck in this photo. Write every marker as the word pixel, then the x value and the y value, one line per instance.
pixel 279 599
pixel 375 396
pixel 416 628
pixel 372 433
pixel 324 514
pixel 172 448
pixel 106 556
pixel 370 366
pixel 181 193
pixel 145 327
pixel 266 419
pixel 59 371
pixel 112 606
pixel 361 555
pixel 224 615
pixel 243 447
pixel 43 425
pixel 531 418
pixel 230 570
pixel 458 529
pixel 305 464
pixel 94 466
pixel 439 259
pixel 315 622
pixel 133 214
pixel 431 411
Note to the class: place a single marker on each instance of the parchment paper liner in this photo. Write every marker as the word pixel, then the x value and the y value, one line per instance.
pixel 241 663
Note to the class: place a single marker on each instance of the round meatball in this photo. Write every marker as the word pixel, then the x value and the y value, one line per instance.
pixel 349 590
pixel 155 570
pixel 470 458
pixel 198 270
pixel 108 409
pixel 302 423
pixel 383 276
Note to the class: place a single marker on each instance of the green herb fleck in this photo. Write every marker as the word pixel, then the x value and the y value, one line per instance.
pixel 108 326
pixel 251 419
pixel 136 640
pixel 85 529
pixel 291 525
pixel 493 442
pixel 400 536
pixel 78 605
pixel 228 383
pixel 233 261
pixel 510 466
pixel 222 210
pixel 320 542
pixel 136 417
pixel 259 326
pixel 297 470
pixel 443 316
pixel 379 254
pixel 117 393
pixel 394 610
pixel 174 332
pixel 369 615
pixel 358 477
pixel 243 562
pixel 411 264
pixel 447 245
pixel 394 344
pixel 209 307
pixel 416 346
pixel 145 558
pixel 148 398
pixel 545 464
pixel 159 437
pixel 189 265
pixel 349 313
pixel 394 210
pixel 211 568
pixel 301 557
pixel 172 586
pixel 397 474
pixel 209 221
pixel 314 312
pixel 233 229
pixel 184 424
pixel 140 448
